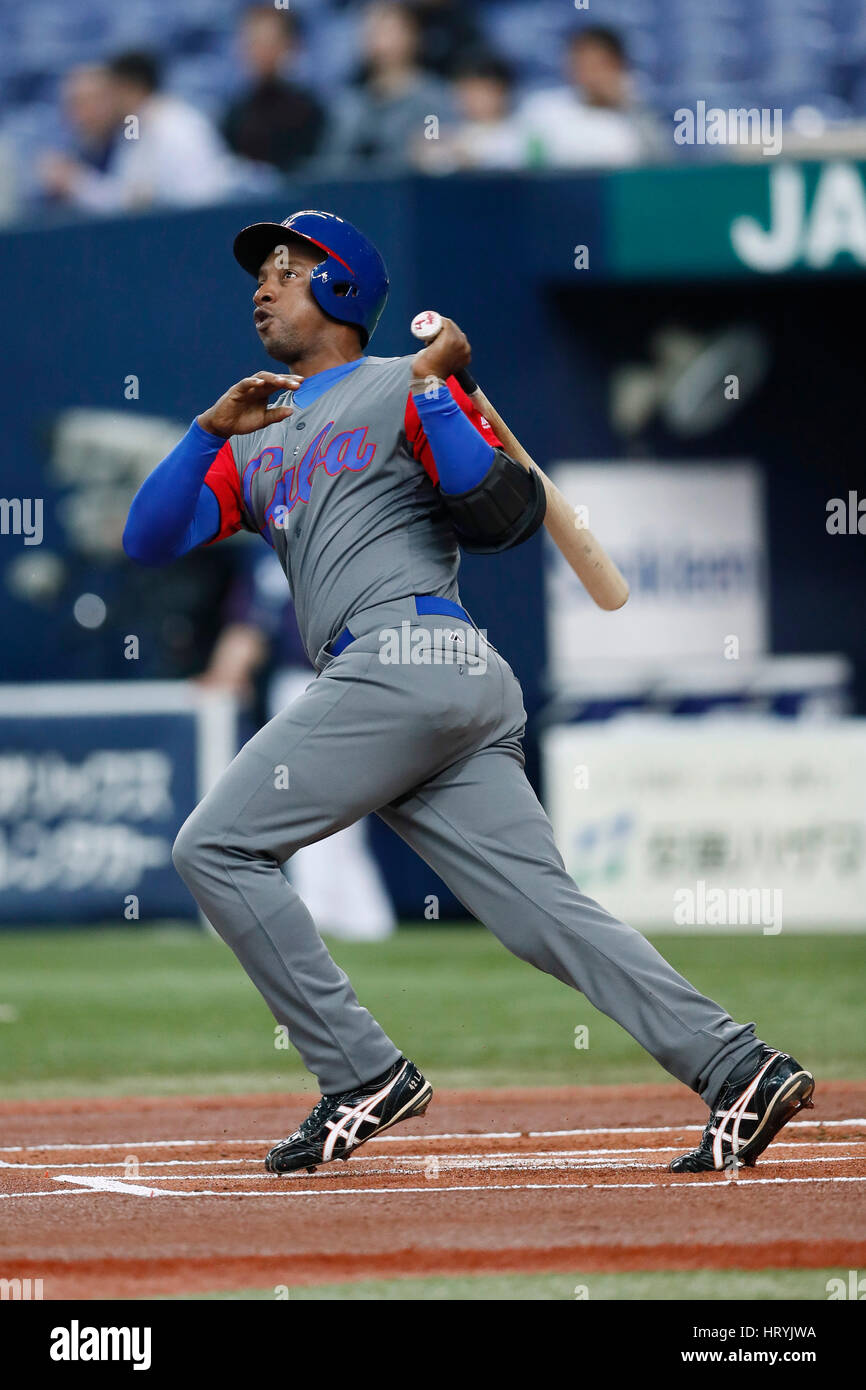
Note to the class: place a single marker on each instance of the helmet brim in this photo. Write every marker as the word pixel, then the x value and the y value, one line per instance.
pixel 254 244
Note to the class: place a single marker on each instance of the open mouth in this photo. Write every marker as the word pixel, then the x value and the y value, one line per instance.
pixel 261 318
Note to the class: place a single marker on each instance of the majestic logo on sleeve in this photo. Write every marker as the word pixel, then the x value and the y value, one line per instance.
pixel 347 450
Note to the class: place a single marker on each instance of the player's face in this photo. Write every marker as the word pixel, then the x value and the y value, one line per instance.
pixel 288 320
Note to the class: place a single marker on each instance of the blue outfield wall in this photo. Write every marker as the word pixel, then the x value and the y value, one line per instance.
pixel 85 304
pixel 160 296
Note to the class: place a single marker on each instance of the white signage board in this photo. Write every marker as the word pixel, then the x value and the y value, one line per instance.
pixel 670 819
pixel 689 538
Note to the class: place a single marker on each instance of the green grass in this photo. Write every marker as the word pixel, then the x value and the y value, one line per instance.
pixel 704 1285
pixel 160 1011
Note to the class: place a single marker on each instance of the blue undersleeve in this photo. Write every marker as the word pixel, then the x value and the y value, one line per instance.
pixel 173 511
pixel 462 456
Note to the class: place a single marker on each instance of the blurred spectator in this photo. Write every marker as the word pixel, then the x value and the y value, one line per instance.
pixel 338 878
pixel 89 107
pixel 90 111
pixel 594 120
pixel 381 122
pixel 485 134
pixel 166 151
pixel 275 121
pixel 448 33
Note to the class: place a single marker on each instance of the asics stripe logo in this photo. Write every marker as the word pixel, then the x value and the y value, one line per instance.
pixel 738 1112
pixel 353 1116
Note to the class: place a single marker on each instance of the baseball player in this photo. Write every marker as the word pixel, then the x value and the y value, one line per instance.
pixel 366 475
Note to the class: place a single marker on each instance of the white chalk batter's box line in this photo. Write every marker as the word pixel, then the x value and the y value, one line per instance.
pixel 533 1163
pixel 135 1144
pixel 566 1157
pixel 99 1186
pixel 539 1160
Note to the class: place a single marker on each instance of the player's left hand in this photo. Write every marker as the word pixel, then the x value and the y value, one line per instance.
pixel 447 354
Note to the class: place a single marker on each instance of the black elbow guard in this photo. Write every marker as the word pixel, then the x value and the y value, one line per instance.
pixel 503 510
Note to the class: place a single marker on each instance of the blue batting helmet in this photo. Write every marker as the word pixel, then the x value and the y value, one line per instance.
pixel 350 283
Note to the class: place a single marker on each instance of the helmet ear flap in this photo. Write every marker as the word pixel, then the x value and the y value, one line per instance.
pixel 332 288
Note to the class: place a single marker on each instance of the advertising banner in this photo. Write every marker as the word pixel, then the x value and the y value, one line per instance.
pixel 711 825
pixel 689 539
pixel 96 779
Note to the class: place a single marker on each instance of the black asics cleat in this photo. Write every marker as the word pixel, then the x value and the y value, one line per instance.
pixel 336 1125
pixel 749 1114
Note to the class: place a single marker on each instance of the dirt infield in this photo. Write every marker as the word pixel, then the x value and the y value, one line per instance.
pixel 138 1197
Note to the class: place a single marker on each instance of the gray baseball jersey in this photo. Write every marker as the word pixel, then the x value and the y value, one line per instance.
pixel 344 491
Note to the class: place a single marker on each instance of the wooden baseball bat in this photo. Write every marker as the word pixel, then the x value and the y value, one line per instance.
pixel 587 557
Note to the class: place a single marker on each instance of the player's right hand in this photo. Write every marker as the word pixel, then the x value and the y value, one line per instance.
pixel 244 407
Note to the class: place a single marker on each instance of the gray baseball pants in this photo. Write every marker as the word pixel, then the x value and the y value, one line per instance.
pixel 435 750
